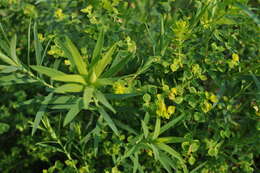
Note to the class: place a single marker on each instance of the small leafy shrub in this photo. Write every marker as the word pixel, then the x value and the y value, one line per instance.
pixel 129 86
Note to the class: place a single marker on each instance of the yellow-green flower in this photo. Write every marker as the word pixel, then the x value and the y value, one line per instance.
pixel 173 93
pixel 196 70
pixel 87 10
pixel 59 14
pixel 257 111
pixel 119 88
pixel 235 57
pixel 206 107
pixel 161 107
pixel 67 62
pixel 213 98
pixel 40 37
pixel 171 110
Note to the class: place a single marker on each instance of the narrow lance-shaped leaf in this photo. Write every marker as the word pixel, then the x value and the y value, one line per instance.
pixel 102 99
pixel 106 59
pixel 47 71
pixel 171 123
pixel 13 49
pixel 41 112
pixel 116 68
pixel 4 34
pixel 157 128
pixel 98 48
pixel 29 43
pixel 173 153
pixel 73 54
pixel 249 13
pixel 7 60
pixel 87 95
pixel 108 119
pixel 70 78
pixel 165 161
pixel 37 45
pixel 145 129
pixel 73 112
pixel 69 88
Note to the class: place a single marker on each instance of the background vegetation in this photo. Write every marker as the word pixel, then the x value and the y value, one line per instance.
pixel 129 86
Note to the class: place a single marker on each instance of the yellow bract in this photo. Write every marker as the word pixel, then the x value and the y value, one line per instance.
pixel 119 88
pixel 206 107
pixel 162 109
pixel 59 14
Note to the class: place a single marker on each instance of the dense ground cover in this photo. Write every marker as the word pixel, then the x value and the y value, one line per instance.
pixel 119 86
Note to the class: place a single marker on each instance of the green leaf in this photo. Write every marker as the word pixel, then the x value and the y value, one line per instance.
pixel 4 34
pixel 125 127
pixel 69 88
pixel 105 81
pixel 70 78
pixel 73 54
pixel 147 118
pixel 156 152
pixel 73 112
pixel 7 69
pixel 109 121
pixel 100 66
pixel 5 47
pixel 7 60
pixel 130 152
pixel 173 153
pixel 171 124
pixel 13 49
pixel 102 99
pixel 121 96
pixel 195 170
pixel 15 79
pixel 165 161
pixel 37 45
pixel 169 150
pixel 136 163
pixel 87 95
pixel 145 129
pixel 4 128
pixel 47 71
pixel 113 70
pixel 249 13
pixel 41 112
pixel 172 139
pixel 98 48
pixel 29 42
pixel 157 128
